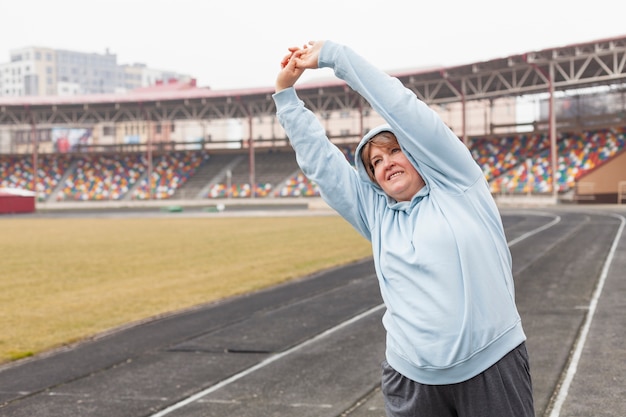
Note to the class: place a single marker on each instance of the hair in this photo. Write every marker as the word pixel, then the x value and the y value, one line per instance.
pixel 385 140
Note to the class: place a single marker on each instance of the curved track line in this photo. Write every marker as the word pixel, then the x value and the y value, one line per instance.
pixel 340 326
pixel 582 337
pixel 556 220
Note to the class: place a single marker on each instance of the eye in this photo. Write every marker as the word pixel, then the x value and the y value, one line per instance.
pixel 396 150
pixel 375 161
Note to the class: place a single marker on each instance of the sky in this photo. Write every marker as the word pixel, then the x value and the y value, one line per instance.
pixel 238 44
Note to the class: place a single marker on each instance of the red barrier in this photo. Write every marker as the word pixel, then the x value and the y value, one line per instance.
pixel 12 203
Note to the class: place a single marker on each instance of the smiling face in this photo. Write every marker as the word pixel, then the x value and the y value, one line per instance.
pixel 389 167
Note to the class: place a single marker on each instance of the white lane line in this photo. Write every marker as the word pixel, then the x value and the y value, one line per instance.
pixel 280 355
pixel 556 220
pixel 264 363
pixel 582 337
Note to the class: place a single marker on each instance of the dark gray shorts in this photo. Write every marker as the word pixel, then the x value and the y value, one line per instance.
pixel 505 389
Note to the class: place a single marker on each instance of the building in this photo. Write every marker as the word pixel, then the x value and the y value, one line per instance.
pixel 31 71
pixel 37 71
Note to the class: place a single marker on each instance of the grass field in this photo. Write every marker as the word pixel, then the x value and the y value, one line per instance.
pixel 63 280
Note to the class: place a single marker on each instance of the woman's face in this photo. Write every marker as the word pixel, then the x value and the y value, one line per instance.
pixel 394 172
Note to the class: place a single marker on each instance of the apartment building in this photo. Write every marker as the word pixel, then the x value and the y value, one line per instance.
pixel 38 71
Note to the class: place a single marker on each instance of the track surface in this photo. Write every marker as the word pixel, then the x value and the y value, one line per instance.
pixel 313 347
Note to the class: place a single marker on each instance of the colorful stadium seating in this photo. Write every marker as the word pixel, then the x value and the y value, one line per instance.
pixel 170 171
pixel 102 177
pixel 16 172
pixel 578 153
pixel 512 164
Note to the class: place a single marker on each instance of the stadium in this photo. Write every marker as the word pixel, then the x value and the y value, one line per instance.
pixel 558 173
pixel 176 141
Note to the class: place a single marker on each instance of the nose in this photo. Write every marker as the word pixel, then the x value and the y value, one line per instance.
pixel 388 162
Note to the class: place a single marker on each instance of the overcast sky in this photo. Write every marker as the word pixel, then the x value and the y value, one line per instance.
pixel 232 44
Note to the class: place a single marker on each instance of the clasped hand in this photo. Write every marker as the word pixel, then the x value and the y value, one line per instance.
pixel 293 64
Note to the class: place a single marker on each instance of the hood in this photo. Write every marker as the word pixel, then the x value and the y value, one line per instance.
pixel 358 163
pixel 360 167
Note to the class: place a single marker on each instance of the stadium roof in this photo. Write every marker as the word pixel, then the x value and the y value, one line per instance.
pixel 597 63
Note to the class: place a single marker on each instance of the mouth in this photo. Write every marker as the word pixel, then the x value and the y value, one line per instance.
pixel 394 175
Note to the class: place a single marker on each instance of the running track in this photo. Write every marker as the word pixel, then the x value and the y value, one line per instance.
pixel 313 347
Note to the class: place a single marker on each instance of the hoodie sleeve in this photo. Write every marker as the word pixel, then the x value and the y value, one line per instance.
pixel 439 155
pixel 322 162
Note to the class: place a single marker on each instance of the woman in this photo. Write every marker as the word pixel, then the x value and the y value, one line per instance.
pixel 455 344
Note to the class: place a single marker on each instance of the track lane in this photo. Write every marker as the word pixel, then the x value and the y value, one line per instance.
pixel 556 270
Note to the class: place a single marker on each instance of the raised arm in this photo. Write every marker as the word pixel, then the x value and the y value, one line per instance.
pixel 320 160
pixel 438 153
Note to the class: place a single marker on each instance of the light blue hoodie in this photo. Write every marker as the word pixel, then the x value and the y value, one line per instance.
pixel 442 259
